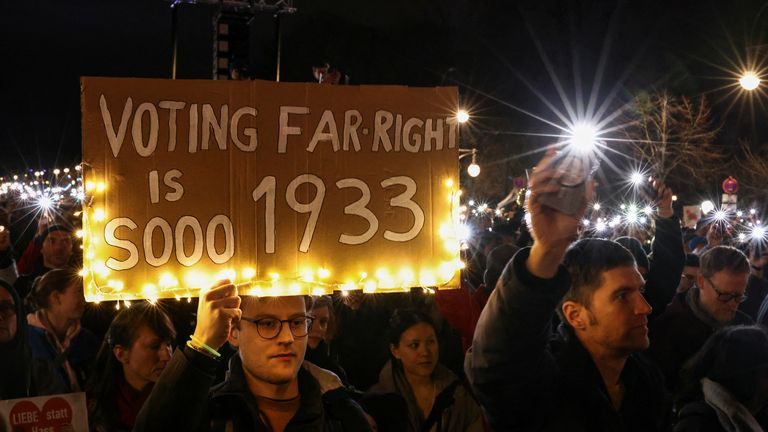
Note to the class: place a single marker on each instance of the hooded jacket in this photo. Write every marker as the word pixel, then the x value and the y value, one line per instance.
pixel 183 399
pixel 460 412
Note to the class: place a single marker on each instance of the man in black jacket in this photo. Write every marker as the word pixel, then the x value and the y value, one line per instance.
pixel 591 376
pixel 268 387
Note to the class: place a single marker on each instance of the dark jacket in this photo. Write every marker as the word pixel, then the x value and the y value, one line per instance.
pixel 454 409
pixel 667 260
pixel 80 354
pixel 679 333
pixel 15 356
pixel 757 288
pixel 183 400
pixel 527 380
pixel 324 358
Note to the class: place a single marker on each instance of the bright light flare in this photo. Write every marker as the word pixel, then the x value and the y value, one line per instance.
pixel 758 233
pixel 636 178
pixel 749 81
pixel 721 216
pixel 45 202
pixel 462 116
pixel 583 137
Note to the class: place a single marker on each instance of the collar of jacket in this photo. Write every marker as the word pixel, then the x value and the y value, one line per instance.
pixel 693 301
pixel 235 386
pixel 577 364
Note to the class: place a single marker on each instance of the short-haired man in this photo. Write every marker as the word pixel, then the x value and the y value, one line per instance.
pixel 55 251
pixel 591 376
pixel 269 386
pixel 678 333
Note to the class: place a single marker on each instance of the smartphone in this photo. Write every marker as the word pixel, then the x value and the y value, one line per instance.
pixel 577 170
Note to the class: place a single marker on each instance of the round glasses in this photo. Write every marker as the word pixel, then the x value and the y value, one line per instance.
pixel 270 328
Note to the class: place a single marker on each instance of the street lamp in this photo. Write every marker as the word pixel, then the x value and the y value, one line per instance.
pixel 462 116
pixel 473 169
pixel 749 81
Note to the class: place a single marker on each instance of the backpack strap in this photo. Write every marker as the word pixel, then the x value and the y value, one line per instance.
pixel 442 402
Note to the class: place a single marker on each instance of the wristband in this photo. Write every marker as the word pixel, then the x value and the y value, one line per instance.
pixel 198 345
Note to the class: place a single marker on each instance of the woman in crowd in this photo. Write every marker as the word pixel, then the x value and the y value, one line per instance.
pixel 135 351
pixel 15 358
pixel 318 342
pixel 435 398
pixel 726 383
pixel 55 336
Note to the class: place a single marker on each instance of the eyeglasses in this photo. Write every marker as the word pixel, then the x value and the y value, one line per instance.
pixel 726 297
pixel 7 309
pixel 270 328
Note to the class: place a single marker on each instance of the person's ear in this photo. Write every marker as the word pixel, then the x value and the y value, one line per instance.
pixel 395 351
pixel 121 354
pixel 234 335
pixel 699 281
pixel 575 315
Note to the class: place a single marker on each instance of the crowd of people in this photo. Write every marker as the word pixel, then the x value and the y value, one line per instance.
pixel 554 327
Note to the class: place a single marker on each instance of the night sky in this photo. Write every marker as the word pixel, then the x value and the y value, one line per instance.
pixel 499 53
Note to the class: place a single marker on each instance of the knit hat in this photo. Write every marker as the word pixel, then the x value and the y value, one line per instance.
pixel 633 245
pixel 696 241
pixel 52 228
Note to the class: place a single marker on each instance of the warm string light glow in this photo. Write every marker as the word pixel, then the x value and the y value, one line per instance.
pixel 310 281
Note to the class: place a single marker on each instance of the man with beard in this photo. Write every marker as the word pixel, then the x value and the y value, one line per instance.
pixel 678 333
pixel 269 386
pixel 591 376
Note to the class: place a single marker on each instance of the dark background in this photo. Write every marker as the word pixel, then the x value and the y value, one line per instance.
pixel 507 57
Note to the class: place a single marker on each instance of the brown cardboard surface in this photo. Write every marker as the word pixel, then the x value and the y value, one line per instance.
pixel 208 170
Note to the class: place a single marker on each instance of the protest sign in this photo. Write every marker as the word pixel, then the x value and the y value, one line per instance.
pixel 56 413
pixel 287 188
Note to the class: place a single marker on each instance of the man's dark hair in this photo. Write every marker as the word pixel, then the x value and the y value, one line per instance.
pixel 691 260
pixel 723 258
pixel 586 261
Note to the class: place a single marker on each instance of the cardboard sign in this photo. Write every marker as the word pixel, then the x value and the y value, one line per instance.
pixel 285 188
pixel 57 413
pixel 691 216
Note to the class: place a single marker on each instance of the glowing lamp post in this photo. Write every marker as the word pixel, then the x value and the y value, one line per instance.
pixel 473 169
pixel 749 81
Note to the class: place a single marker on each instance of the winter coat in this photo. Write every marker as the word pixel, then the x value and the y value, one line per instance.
pixel 526 379
pixel 680 332
pixel 183 400
pixel 68 362
pixel 454 409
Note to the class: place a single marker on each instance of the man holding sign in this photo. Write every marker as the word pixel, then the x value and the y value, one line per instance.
pixel 268 385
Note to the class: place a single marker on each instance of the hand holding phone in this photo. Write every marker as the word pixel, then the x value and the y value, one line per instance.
pixel 575 172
